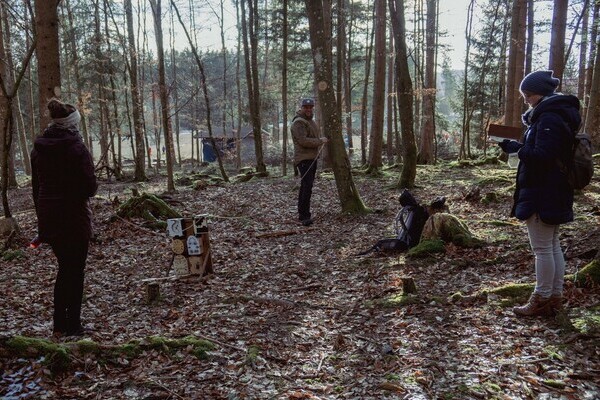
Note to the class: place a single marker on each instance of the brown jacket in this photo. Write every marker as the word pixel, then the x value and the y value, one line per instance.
pixel 307 138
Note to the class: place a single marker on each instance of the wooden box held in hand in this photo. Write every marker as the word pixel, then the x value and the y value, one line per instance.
pixel 190 245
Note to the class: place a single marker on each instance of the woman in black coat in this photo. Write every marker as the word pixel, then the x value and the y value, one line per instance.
pixel 543 197
pixel 63 180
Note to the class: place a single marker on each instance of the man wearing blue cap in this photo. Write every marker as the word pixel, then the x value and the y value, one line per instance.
pixel 543 197
pixel 307 141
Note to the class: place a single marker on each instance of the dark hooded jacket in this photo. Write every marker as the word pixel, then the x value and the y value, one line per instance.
pixel 542 185
pixel 63 179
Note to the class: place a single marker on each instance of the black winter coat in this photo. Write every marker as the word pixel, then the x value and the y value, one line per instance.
pixel 63 179
pixel 542 185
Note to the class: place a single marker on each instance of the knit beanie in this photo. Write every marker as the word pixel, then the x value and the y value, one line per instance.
pixel 58 109
pixel 540 82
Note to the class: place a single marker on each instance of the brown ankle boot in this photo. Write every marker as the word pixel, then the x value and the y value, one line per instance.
pixel 555 304
pixel 536 306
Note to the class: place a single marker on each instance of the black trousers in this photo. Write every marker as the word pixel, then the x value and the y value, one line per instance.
pixel 307 170
pixel 68 289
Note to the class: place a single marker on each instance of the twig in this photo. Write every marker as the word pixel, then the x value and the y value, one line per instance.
pixel 165 388
pixel 323 356
pixel 283 233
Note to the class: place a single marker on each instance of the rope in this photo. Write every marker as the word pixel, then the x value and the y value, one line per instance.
pixel 321 147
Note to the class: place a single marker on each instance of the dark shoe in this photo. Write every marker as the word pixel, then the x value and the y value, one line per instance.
pixel 536 306
pixel 307 222
pixel 555 304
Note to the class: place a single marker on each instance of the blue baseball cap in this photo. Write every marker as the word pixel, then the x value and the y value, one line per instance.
pixel 308 102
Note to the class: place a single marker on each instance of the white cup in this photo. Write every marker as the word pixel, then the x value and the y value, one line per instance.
pixel 513 160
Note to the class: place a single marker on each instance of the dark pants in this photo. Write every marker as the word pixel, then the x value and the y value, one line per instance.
pixel 68 289
pixel 307 170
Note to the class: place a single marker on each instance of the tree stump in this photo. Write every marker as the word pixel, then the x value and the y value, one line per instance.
pixel 152 292
pixel 408 285
pixel 447 227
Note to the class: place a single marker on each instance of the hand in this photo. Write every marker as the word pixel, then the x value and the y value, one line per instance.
pixel 510 146
pixel 324 140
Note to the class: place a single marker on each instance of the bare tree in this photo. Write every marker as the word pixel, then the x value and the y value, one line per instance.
pixel 47 54
pixel 376 136
pixel 250 39
pixel 426 153
pixel 404 90
pixel 322 60
pixel 163 93
pixel 204 91
pixel 516 54
pixel 284 85
pixel 556 60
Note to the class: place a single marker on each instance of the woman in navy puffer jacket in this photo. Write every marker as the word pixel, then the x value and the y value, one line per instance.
pixel 543 198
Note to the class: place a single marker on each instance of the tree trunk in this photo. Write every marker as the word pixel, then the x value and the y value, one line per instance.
pixel 78 81
pixel 583 50
pixel 16 108
pixel 556 60
pixel 465 149
pixel 348 82
pixel 164 94
pixel 376 137
pixel 322 59
pixel 405 95
pixel 390 102
pixel 365 98
pixel 515 70
pixel 426 153
pixel 592 121
pixel 250 39
pixel 284 86
pixel 138 123
pixel 47 54
pixel 591 58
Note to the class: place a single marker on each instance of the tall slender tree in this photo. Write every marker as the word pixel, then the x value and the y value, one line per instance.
pixel 515 70
pixel 138 123
pixel 376 136
pixel 404 90
pixel 556 61
pixel 426 153
pixel 322 60
pixel 163 93
pixel 250 39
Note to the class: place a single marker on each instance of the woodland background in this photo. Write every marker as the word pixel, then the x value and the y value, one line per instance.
pixel 291 312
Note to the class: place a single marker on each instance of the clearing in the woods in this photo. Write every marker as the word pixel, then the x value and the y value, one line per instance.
pixel 292 312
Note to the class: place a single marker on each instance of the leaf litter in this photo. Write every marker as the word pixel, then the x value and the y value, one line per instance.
pixel 298 315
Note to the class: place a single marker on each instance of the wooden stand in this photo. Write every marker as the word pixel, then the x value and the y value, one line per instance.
pixel 191 246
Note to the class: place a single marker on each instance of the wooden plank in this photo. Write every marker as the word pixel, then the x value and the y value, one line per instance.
pixel 497 133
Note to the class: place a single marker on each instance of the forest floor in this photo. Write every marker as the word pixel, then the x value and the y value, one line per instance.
pixel 292 313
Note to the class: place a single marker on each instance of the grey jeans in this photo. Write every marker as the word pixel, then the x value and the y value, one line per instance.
pixel 549 258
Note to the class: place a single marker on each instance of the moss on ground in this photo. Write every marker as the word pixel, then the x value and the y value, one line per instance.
pixel 588 275
pixel 59 356
pixel 426 248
